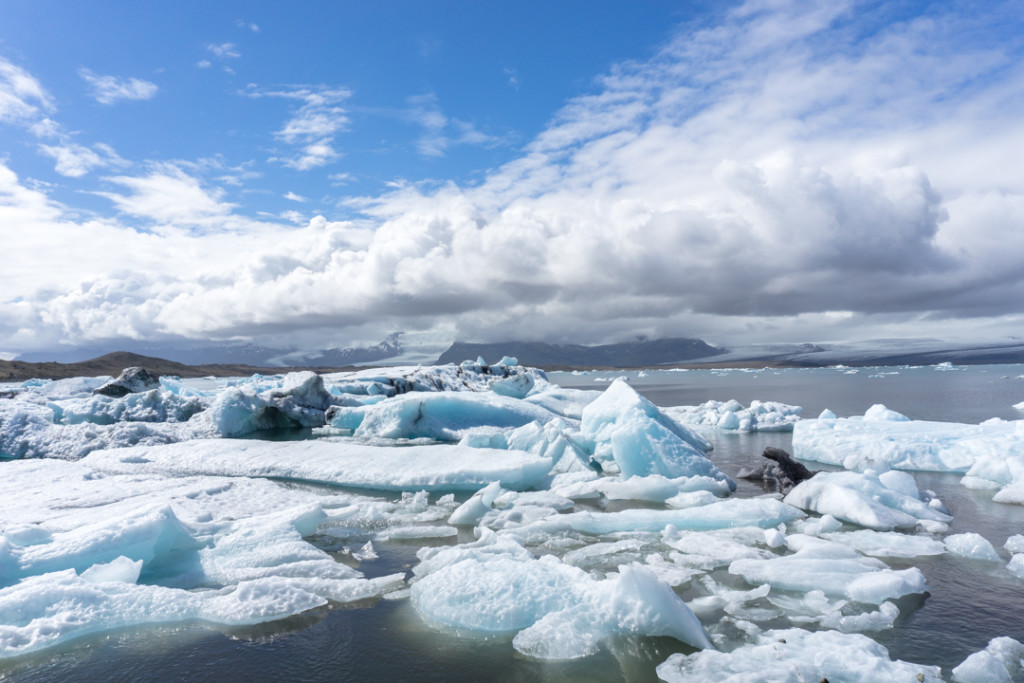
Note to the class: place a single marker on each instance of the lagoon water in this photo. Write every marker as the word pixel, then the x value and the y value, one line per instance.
pixel 969 603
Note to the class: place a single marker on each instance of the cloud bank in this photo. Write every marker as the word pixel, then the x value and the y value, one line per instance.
pixel 795 172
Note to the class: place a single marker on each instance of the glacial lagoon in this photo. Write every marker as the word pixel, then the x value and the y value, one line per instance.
pixel 389 636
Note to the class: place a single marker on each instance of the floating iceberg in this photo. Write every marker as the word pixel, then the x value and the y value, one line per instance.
pixel 832 568
pixel 1002 661
pixel 84 552
pixel 865 499
pixel 990 455
pixel 440 467
pixel 797 655
pixel 441 416
pixel 632 436
pixel 879 440
pixel 760 416
pixel 555 610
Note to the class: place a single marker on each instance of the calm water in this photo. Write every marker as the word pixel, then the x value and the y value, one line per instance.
pixel 970 602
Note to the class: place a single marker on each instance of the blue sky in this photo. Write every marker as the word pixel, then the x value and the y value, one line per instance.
pixel 328 173
pixel 415 91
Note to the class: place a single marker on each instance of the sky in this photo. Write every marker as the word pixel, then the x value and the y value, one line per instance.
pixel 324 174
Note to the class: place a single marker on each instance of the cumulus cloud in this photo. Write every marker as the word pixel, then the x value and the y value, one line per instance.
pixel 793 171
pixel 111 89
pixel 313 124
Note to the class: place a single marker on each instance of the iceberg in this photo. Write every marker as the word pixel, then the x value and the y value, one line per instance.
pixel 440 467
pixel 760 416
pixel 632 436
pixel 834 569
pixel 865 499
pixel 441 416
pixel 797 655
pixel 971 545
pixel 916 445
pixel 1002 661
pixel 85 552
pixel 555 610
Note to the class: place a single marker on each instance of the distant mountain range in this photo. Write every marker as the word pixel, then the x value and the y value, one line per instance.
pixel 245 359
pixel 628 354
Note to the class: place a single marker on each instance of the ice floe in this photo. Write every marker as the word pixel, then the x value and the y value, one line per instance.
pixel 990 455
pixel 596 515
pixel 832 568
pixel 797 655
pixel 865 499
pixel 440 467
pixel 83 552
pixel 555 610
pixel 760 416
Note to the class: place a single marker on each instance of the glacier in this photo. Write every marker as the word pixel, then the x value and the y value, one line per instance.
pixel 560 520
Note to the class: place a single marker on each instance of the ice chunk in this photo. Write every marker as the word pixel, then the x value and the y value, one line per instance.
pixel 119 569
pixel 1002 661
pixel 717 548
pixel 1014 544
pixel 773 538
pixel 42 611
pixel 864 499
pixel 113 551
pixel 632 432
pixel 620 399
pixel 441 467
pixel 832 568
pixel 761 416
pixel 887 543
pixel 513 386
pixel 473 510
pixel 797 655
pixel 879 413
pixel 440 416
pixel 972 545
pixel 148 406
pixel 1015 565
pixel 653 488
pixel 734 512
pixel 565 402
pixel 556 611
pixel 855 443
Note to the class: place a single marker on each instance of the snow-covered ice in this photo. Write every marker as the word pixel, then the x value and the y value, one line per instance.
pixel 797 655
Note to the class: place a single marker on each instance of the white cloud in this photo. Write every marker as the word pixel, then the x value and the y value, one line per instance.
pixel 224 50
pixel 791 173
pixel 204 64
pixel 170 197
pixel 291 196
pixel 439 131
pixel 110 89
pixel 312 126
pixel 74 160
pixel 513 78
pixel 22 97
